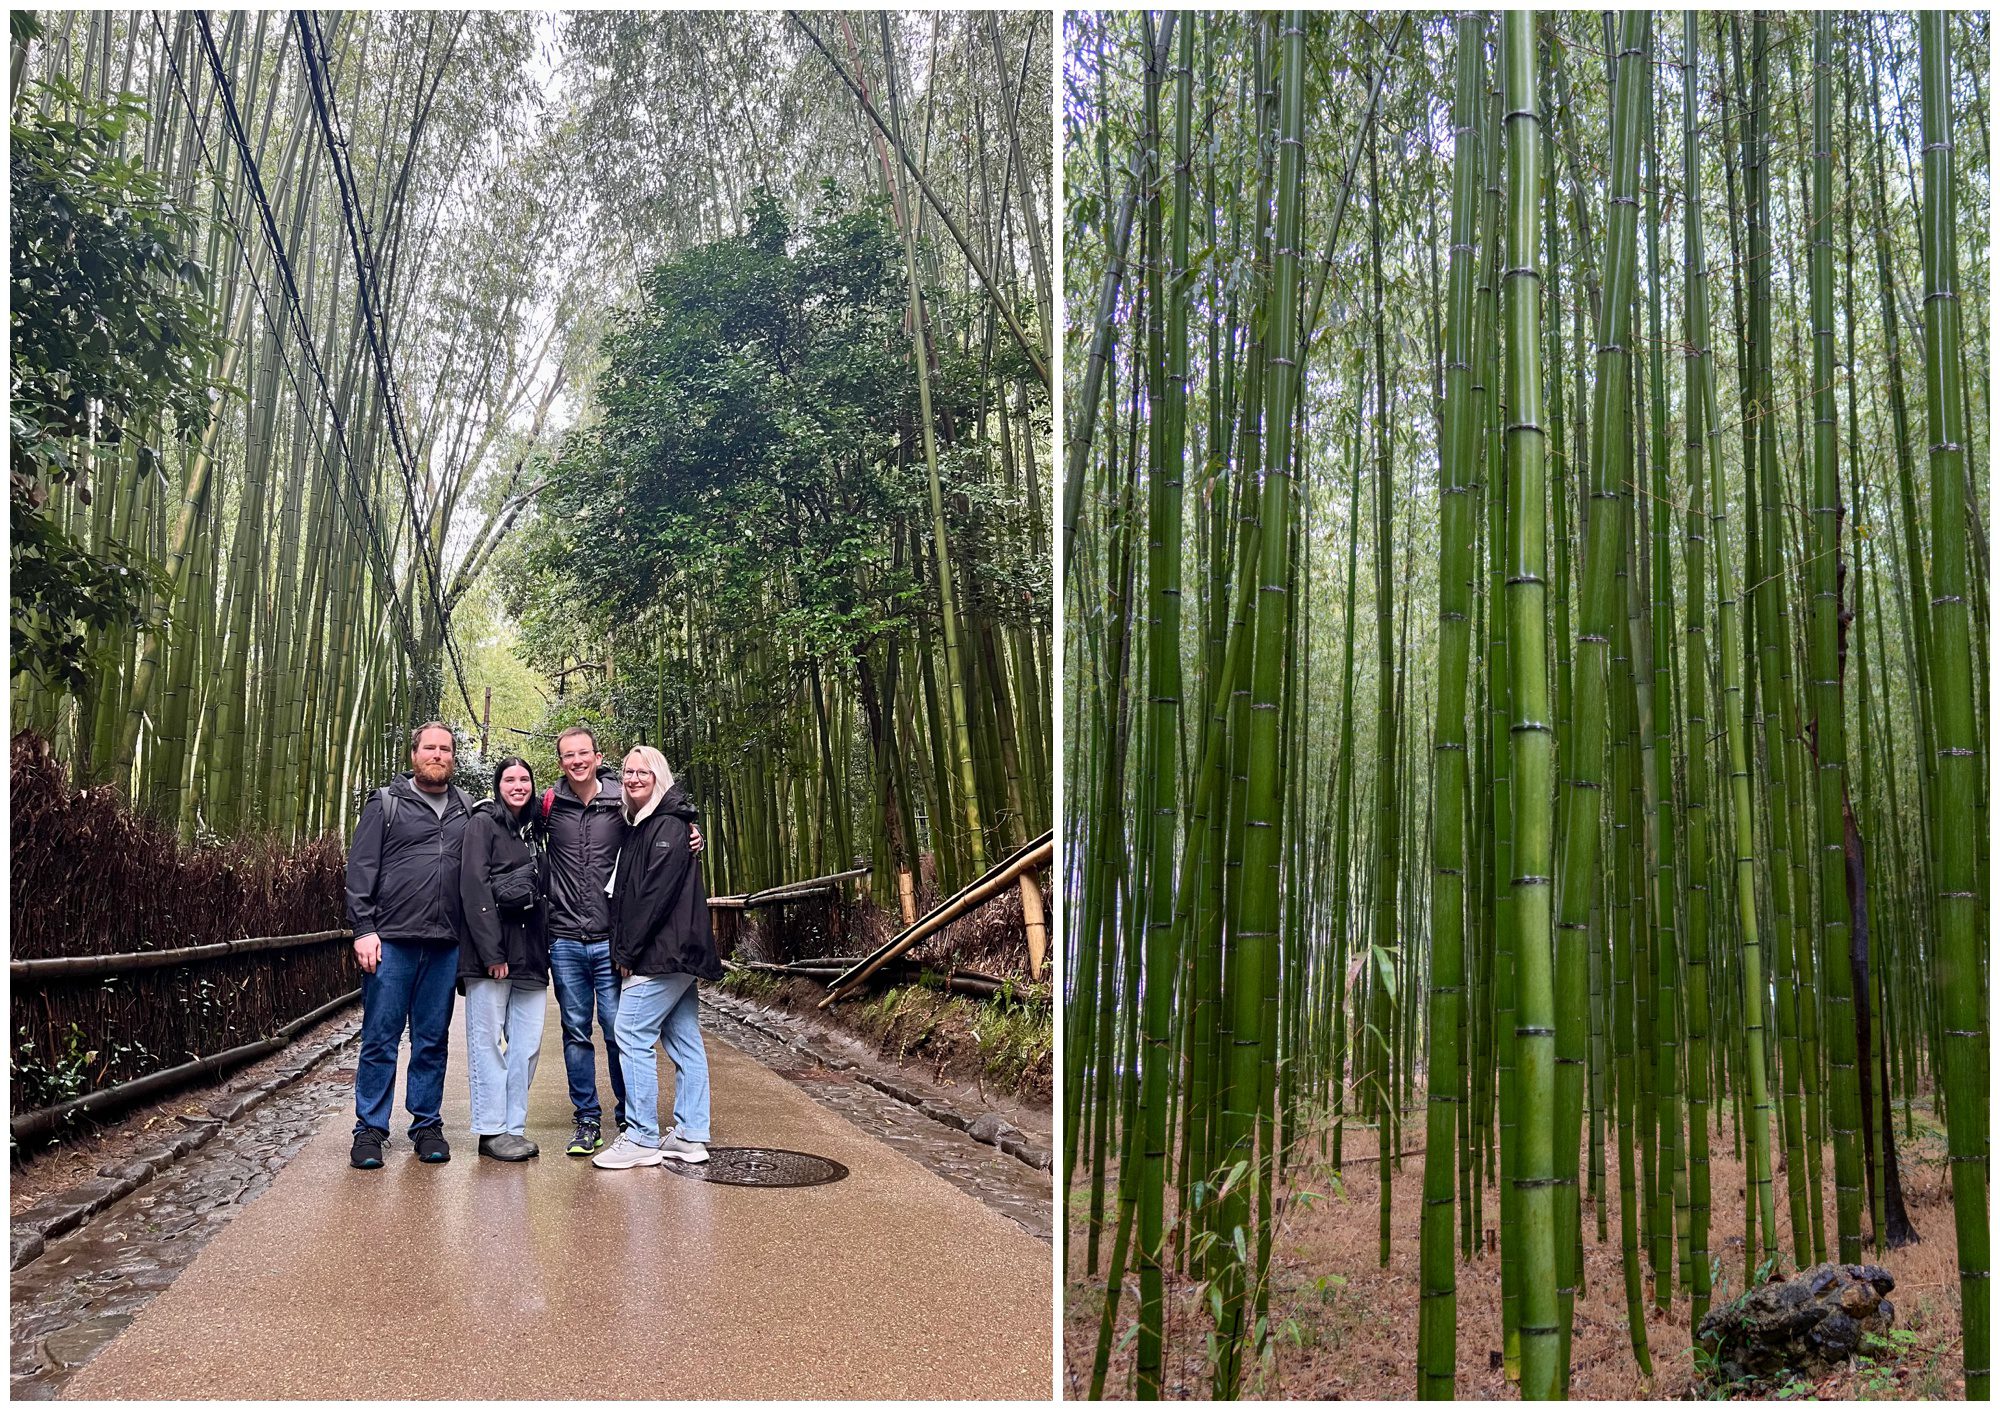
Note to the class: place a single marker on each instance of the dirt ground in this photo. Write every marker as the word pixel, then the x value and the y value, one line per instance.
pixel 1346 1328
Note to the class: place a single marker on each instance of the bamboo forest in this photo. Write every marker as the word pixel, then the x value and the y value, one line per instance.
pixel 680 374
pixel 1525 580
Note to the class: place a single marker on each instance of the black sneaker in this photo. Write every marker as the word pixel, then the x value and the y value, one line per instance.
pixel 432 1148
pixel 367 1153
pixel 588 1139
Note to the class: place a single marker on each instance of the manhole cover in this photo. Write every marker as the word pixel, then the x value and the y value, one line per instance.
pixel 761 1166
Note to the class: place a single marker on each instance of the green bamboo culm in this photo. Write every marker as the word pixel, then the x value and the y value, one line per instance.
pixel 1168 358
pixel 1829 727
pixel 1699 873
pixel 1388 828
pixel 1960 909
pixel 1264 797
pixel 1603 551
pixel 1531 727
pixel 1759 469
pixel 956 720
pixel 1437 1332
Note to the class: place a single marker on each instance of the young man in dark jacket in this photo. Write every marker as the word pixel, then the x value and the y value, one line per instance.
pixel 661 944
pixel 403 905
pixel 584 824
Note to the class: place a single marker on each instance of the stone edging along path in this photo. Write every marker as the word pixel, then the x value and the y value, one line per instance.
pixel 57 1214
pixel 988 1127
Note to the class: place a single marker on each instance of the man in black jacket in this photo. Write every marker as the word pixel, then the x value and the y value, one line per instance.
pixel 403 904
pixel 584 823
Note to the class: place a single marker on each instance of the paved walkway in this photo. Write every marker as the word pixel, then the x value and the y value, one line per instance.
pixel 551 1279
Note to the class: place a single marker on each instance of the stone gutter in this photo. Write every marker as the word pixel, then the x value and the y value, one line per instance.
pixel 56 1215
pixel 988 1127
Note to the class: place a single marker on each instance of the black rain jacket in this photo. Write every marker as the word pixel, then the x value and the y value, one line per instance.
pixel 495 934
pixel 402 878
pixel 659 905
pixel 582 846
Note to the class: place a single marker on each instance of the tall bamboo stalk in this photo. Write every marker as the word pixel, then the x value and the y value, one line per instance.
pixel 1959 899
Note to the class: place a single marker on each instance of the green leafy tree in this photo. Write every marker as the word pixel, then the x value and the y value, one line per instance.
pixel 109 345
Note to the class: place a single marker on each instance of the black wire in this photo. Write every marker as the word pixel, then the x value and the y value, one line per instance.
pixel 367 527
pixel 313 52
pixel 295 306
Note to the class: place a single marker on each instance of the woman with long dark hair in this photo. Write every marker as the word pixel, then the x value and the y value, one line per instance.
pixel 503 960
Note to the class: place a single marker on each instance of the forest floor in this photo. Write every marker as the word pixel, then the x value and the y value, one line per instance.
pixel 1346 1328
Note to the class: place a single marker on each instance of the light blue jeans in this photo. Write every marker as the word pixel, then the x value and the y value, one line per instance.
pixel 503 1038
pixel 662 1009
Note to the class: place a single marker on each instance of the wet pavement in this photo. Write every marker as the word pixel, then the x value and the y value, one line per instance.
pixel 889 1283
pixel 69 1303
pixel 991 1176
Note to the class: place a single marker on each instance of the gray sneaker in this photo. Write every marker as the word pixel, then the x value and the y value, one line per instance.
pixel 508 1146
pixel 624 1154
pixel 679 1148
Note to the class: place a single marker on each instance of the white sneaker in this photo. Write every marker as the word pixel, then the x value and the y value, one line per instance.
pixel 679 1148
pixel 624 1154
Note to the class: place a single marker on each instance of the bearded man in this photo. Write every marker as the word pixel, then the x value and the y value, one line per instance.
pixel 403 904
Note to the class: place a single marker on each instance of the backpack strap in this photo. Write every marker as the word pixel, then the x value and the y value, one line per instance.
pixel 390 805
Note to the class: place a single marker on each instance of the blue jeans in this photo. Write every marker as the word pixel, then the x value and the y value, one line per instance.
pixel 582 972
pixel 496 1010
pixel 654 1009
pixel 413 986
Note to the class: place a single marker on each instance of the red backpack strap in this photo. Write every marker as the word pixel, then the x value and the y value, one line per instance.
pixel 548 801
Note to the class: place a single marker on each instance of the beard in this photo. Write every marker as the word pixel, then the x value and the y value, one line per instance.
pixel 431 773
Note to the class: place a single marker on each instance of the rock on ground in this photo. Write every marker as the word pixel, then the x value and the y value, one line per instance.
pixel 1804 1325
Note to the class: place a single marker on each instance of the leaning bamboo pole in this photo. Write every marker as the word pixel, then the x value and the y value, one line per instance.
pixel 991 884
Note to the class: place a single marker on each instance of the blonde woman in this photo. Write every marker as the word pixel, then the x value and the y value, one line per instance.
pixel 661 945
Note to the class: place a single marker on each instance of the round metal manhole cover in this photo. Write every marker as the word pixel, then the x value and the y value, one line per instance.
pixel 761 1166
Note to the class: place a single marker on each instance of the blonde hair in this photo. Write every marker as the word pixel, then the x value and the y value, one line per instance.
pixel 655 763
